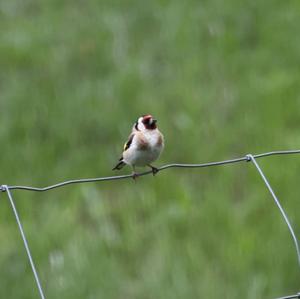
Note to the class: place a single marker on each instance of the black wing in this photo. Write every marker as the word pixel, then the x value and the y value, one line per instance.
pixel 129 142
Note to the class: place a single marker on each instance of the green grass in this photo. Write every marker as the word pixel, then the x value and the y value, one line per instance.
pixel 221 77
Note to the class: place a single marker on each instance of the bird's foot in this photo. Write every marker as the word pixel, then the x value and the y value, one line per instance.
pixel 134 176
pixel 154 170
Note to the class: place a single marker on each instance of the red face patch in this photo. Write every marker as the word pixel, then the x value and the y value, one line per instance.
pixel 149 122
pixel 147 117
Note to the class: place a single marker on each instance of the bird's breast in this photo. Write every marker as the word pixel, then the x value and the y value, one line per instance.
pixel 152 140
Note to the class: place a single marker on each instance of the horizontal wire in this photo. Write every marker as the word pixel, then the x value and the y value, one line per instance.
pixel 297 296
pixel 287 152
pixel 174 165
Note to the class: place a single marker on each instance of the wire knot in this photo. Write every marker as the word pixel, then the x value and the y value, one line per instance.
pixel 249 158
pixel 3 188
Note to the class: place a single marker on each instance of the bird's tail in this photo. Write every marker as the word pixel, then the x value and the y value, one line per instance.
pixel 120 165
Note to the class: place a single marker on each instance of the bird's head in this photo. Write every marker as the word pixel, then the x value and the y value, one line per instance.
pixel 146 122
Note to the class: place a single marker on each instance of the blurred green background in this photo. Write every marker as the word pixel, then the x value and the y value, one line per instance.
pixel 222 78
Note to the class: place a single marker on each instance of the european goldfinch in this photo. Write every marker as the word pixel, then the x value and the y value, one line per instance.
pixel 144 145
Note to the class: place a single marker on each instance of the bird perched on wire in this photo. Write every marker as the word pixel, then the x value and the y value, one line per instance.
pixel 144 145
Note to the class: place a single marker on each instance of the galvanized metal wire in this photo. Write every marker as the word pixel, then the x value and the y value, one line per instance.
pixel 174 165
pixel 246 158
pixel 297 296
pixel 278 205
pixel 36 277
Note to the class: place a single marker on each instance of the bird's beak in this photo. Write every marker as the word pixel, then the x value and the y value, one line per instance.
pixel 153 121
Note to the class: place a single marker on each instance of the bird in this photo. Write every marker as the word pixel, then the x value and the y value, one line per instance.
pixel 144 145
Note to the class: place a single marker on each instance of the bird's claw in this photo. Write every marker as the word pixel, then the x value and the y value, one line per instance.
pixel 154 170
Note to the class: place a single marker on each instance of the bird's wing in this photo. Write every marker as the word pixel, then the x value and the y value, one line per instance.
pixel 129 142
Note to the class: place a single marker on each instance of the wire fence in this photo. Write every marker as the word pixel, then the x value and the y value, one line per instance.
pixel 247 158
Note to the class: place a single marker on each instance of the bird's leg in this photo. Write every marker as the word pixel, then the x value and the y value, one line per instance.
pixel 154 169
pixel 134 174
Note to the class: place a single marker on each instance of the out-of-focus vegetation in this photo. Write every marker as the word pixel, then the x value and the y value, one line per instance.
pixel 222 77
